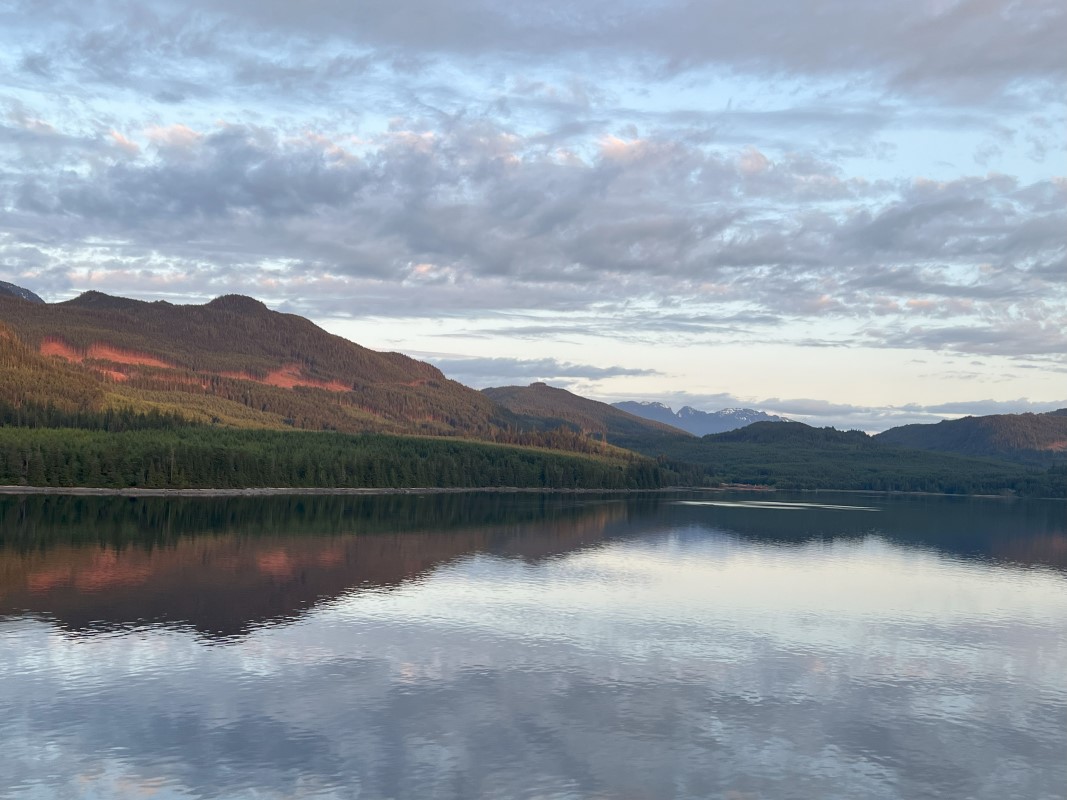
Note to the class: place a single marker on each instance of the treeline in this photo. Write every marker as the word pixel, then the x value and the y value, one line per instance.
pixel 129 418
pixel 203 457
pixel 47 415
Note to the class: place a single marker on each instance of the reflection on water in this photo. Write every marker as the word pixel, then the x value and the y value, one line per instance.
pixel 525 646
pixel 774 505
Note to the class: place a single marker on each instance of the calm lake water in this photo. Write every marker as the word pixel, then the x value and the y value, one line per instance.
pixel 463 646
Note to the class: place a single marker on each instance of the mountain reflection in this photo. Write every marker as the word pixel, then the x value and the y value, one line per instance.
pixel 227 565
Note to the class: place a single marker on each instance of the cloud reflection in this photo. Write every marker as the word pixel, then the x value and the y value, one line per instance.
pixel 645 649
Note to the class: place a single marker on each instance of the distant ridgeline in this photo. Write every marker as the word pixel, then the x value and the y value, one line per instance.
pixel 111 392
pixel 696 422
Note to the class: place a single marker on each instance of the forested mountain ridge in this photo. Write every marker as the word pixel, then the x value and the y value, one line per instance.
pixel 231 334
pixel 549 407
pixel 792 455
pixel 230 361
pixel 1024 438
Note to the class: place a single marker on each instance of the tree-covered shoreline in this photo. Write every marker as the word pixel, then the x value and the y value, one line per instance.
pixel 177 456
pixel 222 458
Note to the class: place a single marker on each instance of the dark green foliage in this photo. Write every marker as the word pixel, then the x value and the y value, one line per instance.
pixel 203 457
pixel 1025 438
pixel 791 455
pixel 37 415
pixel 29 378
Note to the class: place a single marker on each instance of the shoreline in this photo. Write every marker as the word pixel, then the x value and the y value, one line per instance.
pixel 281 491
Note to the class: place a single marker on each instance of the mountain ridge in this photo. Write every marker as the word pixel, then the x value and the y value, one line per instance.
pixel 554 407
pixel 232 360
pixel 1026 438
pixel 695 421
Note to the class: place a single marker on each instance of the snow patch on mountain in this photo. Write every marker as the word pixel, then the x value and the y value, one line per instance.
pixel 695 421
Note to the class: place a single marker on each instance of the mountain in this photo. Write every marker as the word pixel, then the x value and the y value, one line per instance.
pixel 230 361
pixel 657 412
pixel 17 291
pixel 1023 438
pixel 791 455
pixel 696 422
pixel 547 407
pixel 788 432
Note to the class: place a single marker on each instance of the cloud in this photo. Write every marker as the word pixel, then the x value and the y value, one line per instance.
pixel 910 47
pixel 979 408
pixel 672 172
pixel 477 216
pixel 403 706
pixel 1009 338
pixel 484 372
pixel 847 416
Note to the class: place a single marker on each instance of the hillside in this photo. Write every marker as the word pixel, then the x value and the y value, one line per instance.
pixel 17 291
pixel 1023 438
pixel 695 421
pixel 791 455
pixel 547 407
pixel 230 361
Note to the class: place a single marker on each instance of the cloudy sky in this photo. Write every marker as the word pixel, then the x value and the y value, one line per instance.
pixel 850 212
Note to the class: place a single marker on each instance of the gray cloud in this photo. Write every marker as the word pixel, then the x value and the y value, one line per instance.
pixel 415 159
pixel 483 372
pixel 904 47
pixel 431 209
pixel 980 408
pixel 1010 338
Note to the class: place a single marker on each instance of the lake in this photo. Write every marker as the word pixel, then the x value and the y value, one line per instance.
pixel 690 645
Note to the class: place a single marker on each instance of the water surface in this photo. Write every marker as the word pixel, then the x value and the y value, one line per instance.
pixel 699 645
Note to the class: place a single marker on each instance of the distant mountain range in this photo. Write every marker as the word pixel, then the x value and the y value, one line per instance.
pixel 696 422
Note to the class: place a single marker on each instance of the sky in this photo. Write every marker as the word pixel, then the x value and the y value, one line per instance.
pixel 851 213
